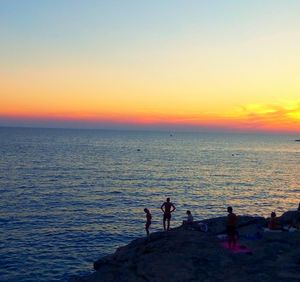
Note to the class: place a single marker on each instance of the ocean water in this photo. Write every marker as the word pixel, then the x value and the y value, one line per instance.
pixel 69 197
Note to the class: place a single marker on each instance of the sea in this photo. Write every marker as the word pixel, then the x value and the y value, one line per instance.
pixel 70 196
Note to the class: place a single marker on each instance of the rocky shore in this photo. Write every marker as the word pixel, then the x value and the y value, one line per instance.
pixel 187 254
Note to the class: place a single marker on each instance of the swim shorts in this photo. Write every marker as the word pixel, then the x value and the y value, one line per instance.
pixel 167 216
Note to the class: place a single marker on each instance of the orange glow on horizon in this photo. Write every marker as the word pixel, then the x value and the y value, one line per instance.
pixel 252 118
pixel 82 97
pixel 97 96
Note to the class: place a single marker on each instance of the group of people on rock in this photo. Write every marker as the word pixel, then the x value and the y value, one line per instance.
pixel 168 207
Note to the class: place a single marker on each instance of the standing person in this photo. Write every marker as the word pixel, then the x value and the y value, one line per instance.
pixel 231 228
pixel 167 208
pixel 148 221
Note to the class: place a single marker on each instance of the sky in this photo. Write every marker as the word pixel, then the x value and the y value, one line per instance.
pixel 209 65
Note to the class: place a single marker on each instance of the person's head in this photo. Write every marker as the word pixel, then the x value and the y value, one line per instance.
pixel 146 210
pixel 229 209
pixel 188 212
pixel 273 214
pixel 168 200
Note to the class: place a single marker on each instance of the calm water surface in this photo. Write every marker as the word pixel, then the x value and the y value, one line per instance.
pixel 69 197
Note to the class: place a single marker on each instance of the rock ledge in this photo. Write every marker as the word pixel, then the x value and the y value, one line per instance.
pixel 185 254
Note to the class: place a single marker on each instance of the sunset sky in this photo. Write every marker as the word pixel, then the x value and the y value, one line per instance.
pixel 207 65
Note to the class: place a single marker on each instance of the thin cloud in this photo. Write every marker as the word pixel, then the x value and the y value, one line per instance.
pixel 285 115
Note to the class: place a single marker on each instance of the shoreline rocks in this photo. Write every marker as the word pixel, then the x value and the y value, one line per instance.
pixel 186 254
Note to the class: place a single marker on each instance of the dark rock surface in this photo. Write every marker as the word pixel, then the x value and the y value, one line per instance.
pixel 289 217
pixel 185 254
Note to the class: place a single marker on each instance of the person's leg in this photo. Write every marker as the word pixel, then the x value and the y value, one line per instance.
pixel 168 224
pixel 164 222
pixel 233 241
pixel 231 237
pixel 147 229
pixel 229 240
pixel 228 236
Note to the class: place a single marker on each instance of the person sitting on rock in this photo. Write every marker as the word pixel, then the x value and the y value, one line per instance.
pixel 189 220
pixel 231 228
pixel 148 221
pixel 167 208
pixel 273 222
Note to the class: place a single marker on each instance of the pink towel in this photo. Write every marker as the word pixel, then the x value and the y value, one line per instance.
pixel 238 249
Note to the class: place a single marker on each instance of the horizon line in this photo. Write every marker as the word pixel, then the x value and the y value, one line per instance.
pixel 155 129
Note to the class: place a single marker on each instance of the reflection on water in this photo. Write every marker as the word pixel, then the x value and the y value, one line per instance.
pixel 70 196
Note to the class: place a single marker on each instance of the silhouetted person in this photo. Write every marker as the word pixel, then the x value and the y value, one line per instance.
pixel 231 228
pixel 167 208
pixel 189 218
pixel 299 207
pixel 273 222
pixel 148 221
